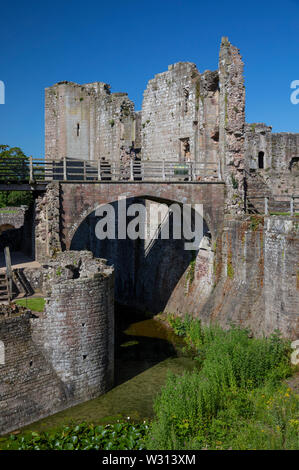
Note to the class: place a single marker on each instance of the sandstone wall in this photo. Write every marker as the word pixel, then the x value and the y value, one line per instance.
pixel 170 114
pixel 180 115
pixel 16 226
pixel 76 330
pixel 47 223
pixel 279 176
pixel 248 277
pixel 281 288
pixel 65 355
pixel 29 387
pixel 12 216
pixel 231 124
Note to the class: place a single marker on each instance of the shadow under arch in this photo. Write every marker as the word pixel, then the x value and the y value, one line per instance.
pixel 5 227
pixel 146 271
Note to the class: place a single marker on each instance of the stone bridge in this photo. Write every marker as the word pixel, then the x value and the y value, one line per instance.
pixel 64 206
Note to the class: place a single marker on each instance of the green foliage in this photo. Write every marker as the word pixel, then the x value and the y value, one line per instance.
pixel 235 183
pixel 118 436
pixel 191 270
pixel 13 164
pixel 14 167
pixel 255 222
pixel 221 405
pixel 229 268
pixel 178 324
pixel 15 198
pixel 37 304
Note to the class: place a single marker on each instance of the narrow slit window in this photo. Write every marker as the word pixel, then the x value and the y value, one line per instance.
pixel 261 160
pixel 78 130
pixel 186 97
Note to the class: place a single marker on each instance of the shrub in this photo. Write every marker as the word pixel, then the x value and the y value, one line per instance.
pixel 211 408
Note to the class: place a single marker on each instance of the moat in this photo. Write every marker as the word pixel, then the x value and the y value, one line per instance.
pixel 145 350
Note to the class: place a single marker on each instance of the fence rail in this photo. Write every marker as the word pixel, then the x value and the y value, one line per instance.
pixel 291 204
pixel 33 169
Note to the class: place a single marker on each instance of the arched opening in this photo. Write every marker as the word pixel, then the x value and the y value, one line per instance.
pixel 261 160
pixel 147 271
pixel 294 165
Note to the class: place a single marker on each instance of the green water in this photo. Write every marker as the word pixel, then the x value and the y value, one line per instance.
pixel 145 352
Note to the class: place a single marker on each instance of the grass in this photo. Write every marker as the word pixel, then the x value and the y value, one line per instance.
pixel 8 211
pixel 284 213
pixel 37 304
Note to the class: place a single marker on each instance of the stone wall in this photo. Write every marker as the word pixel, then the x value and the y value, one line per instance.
pixel 47 223
pixel 16 228
pixel 79 200
pixel 276 173
pixel 12 216
pixel 65 355
pixel 248 277
pixel 281 274
pixel 180 115
pixel 170 114
pixel 29 387
pixel 231 124
pixel 76 330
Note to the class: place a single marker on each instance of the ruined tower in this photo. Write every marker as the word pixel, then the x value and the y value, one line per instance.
pixel 87 122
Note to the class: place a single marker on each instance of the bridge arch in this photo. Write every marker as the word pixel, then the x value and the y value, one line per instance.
pixel 146 271
pixel 79 200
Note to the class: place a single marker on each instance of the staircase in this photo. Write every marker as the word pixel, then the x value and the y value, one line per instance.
pixel 22 282
pixel 256 192
pixel 4 297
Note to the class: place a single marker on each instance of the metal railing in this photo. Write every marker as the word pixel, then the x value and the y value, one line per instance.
pixel 101 170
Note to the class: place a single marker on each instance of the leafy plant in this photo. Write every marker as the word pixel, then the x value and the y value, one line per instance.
pixel 119 436
pixel 14 166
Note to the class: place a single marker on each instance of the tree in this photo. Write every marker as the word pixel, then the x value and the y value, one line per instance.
pixel 14 167
pixel 14 164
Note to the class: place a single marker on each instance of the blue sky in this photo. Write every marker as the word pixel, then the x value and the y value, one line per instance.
pixel 126 42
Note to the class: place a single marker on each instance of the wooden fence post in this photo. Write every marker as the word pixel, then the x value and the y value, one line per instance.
pixel 131 170
pixel 266 206
pixel 8 272
pixel 99 169
pixel 292 206
pixel 30 169
pixel 64 169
